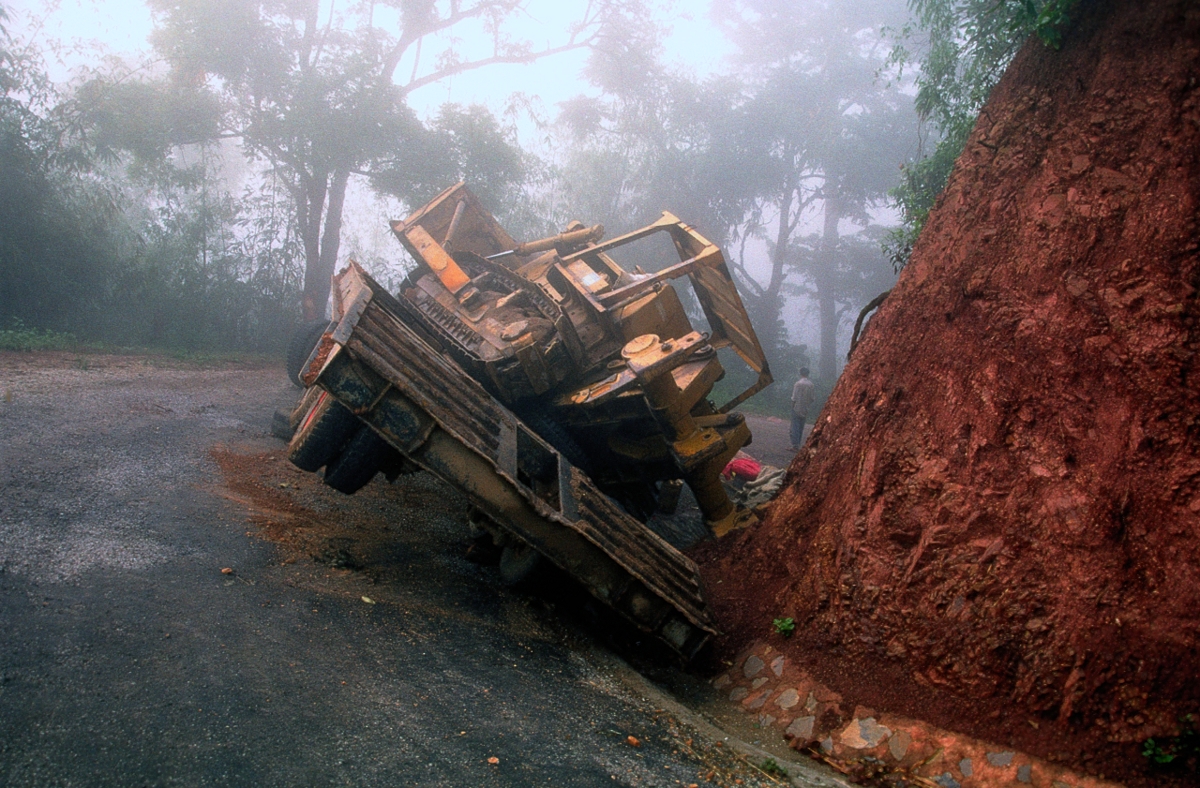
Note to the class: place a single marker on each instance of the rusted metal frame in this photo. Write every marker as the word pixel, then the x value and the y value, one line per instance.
pixel 618 542
pixel 420 371
pixel 685 577
pixel 423 246
pixel 682 590
pixel 466 428
pixel 317 359
pixel 492 413
pixel 584 528
pixel 705 293
pixel 601 314
pixel 680 566
pixel 721 324
pixel 662 223
pixel 406 368
pixel 684 586
pixel 623 296
pixel 476 427
pixel 353 302
pixel 764 380
pixel 579 288
pixel 430 369
pixel 632 547
pixel 728 310
pixel 437 215
pixel 722 292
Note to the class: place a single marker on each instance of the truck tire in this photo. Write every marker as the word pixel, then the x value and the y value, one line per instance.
pixel 301 346
pixel 519 564
pixel 322 433
pixel 362 458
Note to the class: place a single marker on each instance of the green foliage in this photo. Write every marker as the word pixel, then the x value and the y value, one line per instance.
pixel 1171 750
pixel 1052 20
pixel 113 232
pixel 18 336
pixel 961 49
pixel 770 767
pixel 56 252
pixel 460 144
pixel 145 119
pixel 921 182
pixel 784 626
pixel 321 99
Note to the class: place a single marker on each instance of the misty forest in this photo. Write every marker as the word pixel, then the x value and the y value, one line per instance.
pixel 195 199
pixel 975 222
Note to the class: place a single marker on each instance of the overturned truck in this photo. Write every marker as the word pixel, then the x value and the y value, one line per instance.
pixel 562 394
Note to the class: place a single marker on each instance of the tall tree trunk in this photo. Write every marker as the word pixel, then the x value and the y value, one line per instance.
pixel 317 283
pixel 313 302
pixel 824 279
pixel 770 324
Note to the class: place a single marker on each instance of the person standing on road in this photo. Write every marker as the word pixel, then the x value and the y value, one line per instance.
pixel 803 394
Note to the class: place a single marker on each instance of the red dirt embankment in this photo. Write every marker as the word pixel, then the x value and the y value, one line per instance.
pixel 996 523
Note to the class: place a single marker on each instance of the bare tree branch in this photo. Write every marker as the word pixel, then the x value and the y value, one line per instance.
pixel 459 68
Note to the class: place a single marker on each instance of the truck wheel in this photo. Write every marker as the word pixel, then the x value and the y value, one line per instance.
pixel 518 564
pixel 321 434
pixel 358 463
pixel 301 346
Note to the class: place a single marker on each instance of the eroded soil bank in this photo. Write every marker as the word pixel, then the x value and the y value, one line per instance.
pixel 996 523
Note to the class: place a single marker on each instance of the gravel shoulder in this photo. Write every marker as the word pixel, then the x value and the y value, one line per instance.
pixel 128 656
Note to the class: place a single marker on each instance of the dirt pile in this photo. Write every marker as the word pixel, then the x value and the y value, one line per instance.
pixel 998 514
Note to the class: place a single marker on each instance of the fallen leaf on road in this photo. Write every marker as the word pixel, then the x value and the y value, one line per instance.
pixel 368 600
pixel 633 741
pixel 493 760
pixel 284 484
pixel 226 571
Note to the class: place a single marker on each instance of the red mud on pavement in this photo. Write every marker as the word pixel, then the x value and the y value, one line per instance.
pixel 995 526
pixel 291 509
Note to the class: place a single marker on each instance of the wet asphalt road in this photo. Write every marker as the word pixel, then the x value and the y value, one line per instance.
pixel 128 658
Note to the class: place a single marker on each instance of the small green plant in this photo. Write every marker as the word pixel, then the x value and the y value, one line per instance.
pixel 784 626
pixel 19 336
pixel 1167 750
pixel 770 767
pixel 1052 20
